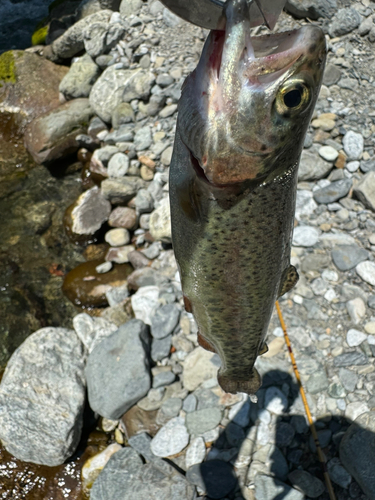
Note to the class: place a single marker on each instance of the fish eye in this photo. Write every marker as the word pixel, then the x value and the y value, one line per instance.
pixel 292 97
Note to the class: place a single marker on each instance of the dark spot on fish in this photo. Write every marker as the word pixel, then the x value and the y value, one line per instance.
pixel 263 147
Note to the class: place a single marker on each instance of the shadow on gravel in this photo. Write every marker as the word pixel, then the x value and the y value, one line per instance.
pixel 287 457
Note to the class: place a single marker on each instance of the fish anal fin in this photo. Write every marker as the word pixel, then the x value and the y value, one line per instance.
pixel 263 349
pixel 288 280
pixel 187 305
pixel 205 344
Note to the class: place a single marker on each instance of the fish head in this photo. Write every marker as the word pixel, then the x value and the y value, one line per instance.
pixel 247 106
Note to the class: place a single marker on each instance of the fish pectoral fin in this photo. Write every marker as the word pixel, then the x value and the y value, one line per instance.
pixel 263 349
pixel 288 280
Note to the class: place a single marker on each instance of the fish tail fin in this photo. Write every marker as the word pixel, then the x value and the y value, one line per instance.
pixel 233 385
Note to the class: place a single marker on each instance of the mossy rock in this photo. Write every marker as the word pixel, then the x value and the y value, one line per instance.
pixel 39 36
pixel 7 68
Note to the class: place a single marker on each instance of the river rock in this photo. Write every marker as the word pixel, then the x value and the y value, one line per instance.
pixel 366 270
pixel 160 222
pixel 129 7
pixel 344 21
pixel 89 212
pixel 333 192
pixel 53 135
pixel 357 452
pixel 42 393
pixel 353 145
pixel 165 321
pixel 268 488
pixel 123 217
pixel 214 477
pixel 348 256
pixel 171 439
pixel 94 465
pixel 80 78
pixel 311 486
pixel 305 236
pixel 332 75
pixel 199 365
pixel 91 331
pixel 355 337
pixel 145 302
pixel 311 8
pixel 312 166
pixel 120 362
pixel 122 189
pixel 200 421
pixel 29 85
pixel 100 37
pixel 365 190
pixel 126 477
pixel 71 42
pixel 117 237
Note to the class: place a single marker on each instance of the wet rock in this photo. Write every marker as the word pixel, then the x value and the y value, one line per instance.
pixel 80 78
pixel 94 465
pixel 122 189
pixel 53 135
pixel 344 21
pixel 117 237
pixel 357 452
pixel 215 477
pixel 311 9
pixel 268 488
pixel 309 485
pixel 348 256
pixel 160 222
pixel 366 271
pixel 333 192
pixel 123 217
pixel 89 212
pixel 305 236
pixel 353 145
pixel 84 286
pixel 165 321
pixel 71 42
pixel 365 190
pixel 199 365
pixel 29 85
pixel 126 477
pixel 120 362
pixel 170 439
pixel 38 400
pixel 312 166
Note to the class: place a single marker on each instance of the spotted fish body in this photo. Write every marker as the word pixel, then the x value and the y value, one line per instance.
pixel 242 121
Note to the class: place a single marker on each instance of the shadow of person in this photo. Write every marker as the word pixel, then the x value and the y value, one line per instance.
pixel 266 451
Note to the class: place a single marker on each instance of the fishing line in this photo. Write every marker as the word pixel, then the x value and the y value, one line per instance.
pixel 319 451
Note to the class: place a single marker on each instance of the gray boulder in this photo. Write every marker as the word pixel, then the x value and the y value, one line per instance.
pixel 42 396
pixel 80 78
pixel 119 85
pixel 125 477
pixel 119 363
pixel 357 452
pixel 99 38
pixel 313 9
pixel 71 42
pixel 312 167
pixel 53 135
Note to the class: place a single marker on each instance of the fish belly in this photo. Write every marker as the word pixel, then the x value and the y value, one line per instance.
pixel 231 255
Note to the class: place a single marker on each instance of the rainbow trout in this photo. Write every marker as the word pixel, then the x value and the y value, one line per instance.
pixel 243 116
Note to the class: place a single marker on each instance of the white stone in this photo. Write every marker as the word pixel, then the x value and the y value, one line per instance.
pixel 354 410
pixel 330 295
pixel 104 268
pixel 170 439
pixel 353 145
pixel 264 416
pixel 263 434
pixel 333 239
pixel 366 271
pixel 275 401
pixel 305 236
pixel 319 286
pixel 305 203
pixel 117 237
pixel 199 365
pixel 160 222
pixel 145 302
pixel 196 452
pixel 356 309
pixel 118 165
pixel 352 166
pixel 330 275
pixel 355 337
pixel 328 153
pixel 298 299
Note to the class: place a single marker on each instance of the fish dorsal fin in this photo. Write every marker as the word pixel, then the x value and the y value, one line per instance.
pixel 288 280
